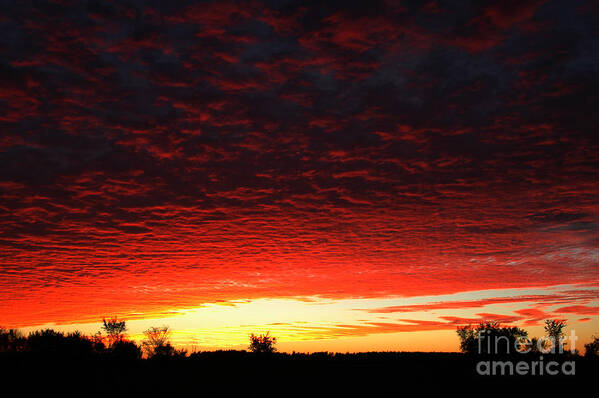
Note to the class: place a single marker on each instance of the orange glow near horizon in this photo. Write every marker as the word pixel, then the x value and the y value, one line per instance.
pixel 316 324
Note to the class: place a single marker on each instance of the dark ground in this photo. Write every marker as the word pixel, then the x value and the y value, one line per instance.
pixel 241 373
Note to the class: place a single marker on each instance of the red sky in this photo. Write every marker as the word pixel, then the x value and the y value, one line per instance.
pixel 158 159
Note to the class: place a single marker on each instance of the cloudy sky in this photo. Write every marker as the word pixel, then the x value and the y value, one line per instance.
pixel 368 173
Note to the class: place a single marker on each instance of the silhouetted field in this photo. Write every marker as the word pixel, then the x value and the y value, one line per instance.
pixel 242 372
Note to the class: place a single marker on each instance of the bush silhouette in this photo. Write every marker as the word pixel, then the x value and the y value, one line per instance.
pixel 554 330
pixel 124 350
pixel 262 344
pixel 77 345
pixel 46 341
pixel 98 342
pixel 52 343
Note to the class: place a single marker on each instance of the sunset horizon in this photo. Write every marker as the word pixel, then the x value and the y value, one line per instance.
pixel 347 177
pixel 339 325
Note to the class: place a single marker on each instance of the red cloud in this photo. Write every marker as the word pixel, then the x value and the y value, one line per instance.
pixel 166 157
pixel 490 28
pixel 548 299
pixel 578 310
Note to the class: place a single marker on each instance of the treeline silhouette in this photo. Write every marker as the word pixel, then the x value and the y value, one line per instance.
pixel 490 338
pixel 110 361
pixel 111 340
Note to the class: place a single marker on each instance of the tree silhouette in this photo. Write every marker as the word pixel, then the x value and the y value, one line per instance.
pixel 157 344
pixel 592 348
pixel 11 340
pixel 114 329
pixel 490 338
pixel 262 344
pixel 554 329
pixel 533 346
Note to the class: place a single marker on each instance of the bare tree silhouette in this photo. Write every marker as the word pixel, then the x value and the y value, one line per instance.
pixel 114 329
pixel 157 343
pixel 262 344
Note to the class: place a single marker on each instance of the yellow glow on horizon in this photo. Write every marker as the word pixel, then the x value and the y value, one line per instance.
pixel 316 324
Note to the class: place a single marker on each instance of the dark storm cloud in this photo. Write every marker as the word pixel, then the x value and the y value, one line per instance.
pixel 433 147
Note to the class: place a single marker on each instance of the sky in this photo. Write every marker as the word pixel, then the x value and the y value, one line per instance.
pixel 348 175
